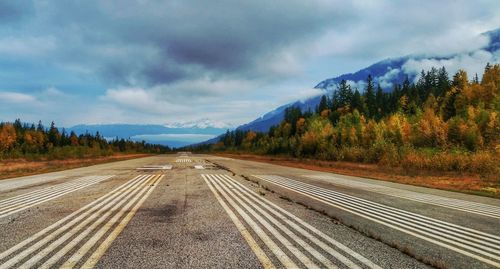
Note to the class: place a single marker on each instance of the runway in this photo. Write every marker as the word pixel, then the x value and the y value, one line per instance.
pixel 202 211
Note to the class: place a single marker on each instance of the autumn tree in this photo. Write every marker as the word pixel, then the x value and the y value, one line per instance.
pixel 7 137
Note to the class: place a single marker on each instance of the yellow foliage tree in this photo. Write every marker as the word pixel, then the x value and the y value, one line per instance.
pixel 7 137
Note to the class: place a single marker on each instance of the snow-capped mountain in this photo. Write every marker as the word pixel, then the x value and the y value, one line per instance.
pixel 201 123
pixel 391 71
pixel 173 136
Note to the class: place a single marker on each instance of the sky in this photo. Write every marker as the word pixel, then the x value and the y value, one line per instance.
pixel 164 62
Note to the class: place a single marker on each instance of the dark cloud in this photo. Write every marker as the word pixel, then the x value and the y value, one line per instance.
pixel 13 11
pixel 159 42
pixel 180 58
pixel 211 37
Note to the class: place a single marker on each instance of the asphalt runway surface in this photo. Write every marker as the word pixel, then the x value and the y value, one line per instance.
pixel 200 211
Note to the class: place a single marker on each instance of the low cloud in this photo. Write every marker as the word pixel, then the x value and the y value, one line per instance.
pixel 385 81
pixel 357 85
pixel 302 95
pixel 473 63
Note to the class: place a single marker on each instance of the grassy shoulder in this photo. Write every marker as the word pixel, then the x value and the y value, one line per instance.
pixel 22 167
pixel 470 183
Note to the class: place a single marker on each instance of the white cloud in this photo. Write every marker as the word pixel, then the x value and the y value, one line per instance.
pixel 359 85
pixel 231 63
pixel 396 28
pixel 16 98
pixel 385 80
pixel 302 95
pixel 27 46
pixel 471 62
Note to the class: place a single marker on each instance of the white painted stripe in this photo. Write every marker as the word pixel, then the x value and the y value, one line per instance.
pixel 291 246
pixel 467 206
pixel 261 255
pixel 101 232
pixel 282 257
pixel 49 192
pixel 25 201
pixel 382 218
pixel 155 167
pixel 94 258
pixel 183 160
pixel 17 200
pixel 441 226
pixel 20 182
pixel 81 230
pixel 290 219
pixel 98 203
pixel 78 217
pixel 41 191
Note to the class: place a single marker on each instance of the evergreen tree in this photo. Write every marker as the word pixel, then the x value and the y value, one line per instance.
pixel 53 135
pixel 405 88
pixel 443 83
pixel 357 102
pixel 394 98
pixel 40 127
pixel 64 138
pixel 371 103
pixel 228 140
pixel 345 94
pixel 380 103
pixel 323 104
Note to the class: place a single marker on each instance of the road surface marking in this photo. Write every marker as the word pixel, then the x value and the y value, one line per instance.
pixel 470 207
pixel 183 160
pixel 94 258
pixel 19 182
pixel 155 167
pixel 296 223
pixel 199 167
pixel 472 243
pixel 100 202
pixel 261 255
pixel 282 257
pixel 73 229
pixel 24 201
pixel 297 253
pixel 279 221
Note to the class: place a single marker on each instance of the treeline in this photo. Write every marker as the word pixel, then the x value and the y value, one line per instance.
pixel 435 123
pixel 22 140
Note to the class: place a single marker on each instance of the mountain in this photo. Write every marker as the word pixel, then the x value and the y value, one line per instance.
pixel 386 73
pixel 201 124
pixel 172 135
pixel 394 70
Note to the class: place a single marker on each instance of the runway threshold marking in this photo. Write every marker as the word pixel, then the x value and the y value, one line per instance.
pixel 155 167
pixel 261 255
pixel 50 246
pixel 278 230
pixel 183 160
pixel 466 206
pixel 473 243
pixel 24 201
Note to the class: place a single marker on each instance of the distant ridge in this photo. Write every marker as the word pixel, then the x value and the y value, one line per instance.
pixel 150 133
